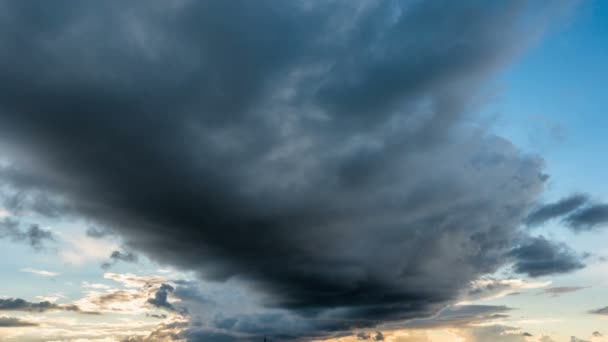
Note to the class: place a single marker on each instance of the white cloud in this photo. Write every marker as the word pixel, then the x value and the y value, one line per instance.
pixel 39 272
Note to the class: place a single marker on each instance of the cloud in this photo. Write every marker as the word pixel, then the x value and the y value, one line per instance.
pixel 80 249
pixel 97 233
pixel 18 304
pixel 459 315
pixel 576 339
pixel 538 256
pixel 362 335
pixel 497 333
pixel 553 210
pixel 601 311
pixel 557 291
pixel 12 322
pixel 33 234
pixel 39 272
pixel 120 256
pixel 160 297
pixel 489 288
pixel 323 153
pixel 588 218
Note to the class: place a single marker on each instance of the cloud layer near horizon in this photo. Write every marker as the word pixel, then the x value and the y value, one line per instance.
pixel 321 152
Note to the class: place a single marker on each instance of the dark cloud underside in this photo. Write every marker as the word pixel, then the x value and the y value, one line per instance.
pixel 320 151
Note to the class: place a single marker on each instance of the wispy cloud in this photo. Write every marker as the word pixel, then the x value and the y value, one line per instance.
pixel 39 272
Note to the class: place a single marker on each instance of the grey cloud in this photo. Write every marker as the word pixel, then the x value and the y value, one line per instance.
pixel 601 311
pixel 379 336
pixel 123 256
pixel 576 339
pixel 32 235
pixel 557 209
pixel 160 297
pixel 362 335
pixel 18 304
pixel 597 334
pixel 321 152
pixel 497 333
pixel 12 322
pixel 588 218
pixel 160 316
pixel 557 291
pixel 97 233
pixel 537 256
pixel 105 300
pixel 117 256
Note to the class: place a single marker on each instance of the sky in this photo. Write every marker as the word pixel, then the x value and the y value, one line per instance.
pixel 341 171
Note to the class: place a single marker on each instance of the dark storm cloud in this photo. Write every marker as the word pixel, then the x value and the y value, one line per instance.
pixel 18 304
pixel 32 235
pixel 588 218
pixel 557 209
pixel 538 256
pixel 12 322
pixel 319 151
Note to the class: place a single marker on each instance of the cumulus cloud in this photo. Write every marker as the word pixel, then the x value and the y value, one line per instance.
pixel 321 152
pixel 136 296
